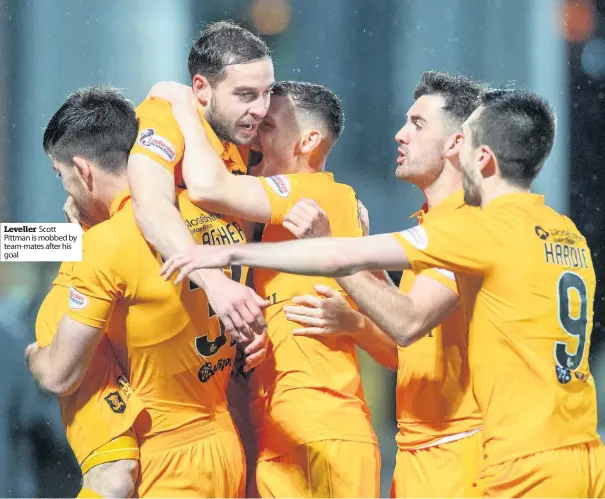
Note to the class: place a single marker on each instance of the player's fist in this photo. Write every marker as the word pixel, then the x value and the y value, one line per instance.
pixel 307 219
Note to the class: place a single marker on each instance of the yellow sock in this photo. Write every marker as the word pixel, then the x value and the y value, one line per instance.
pixel 88 493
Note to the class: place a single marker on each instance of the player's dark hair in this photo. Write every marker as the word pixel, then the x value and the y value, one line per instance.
pixel 222 44
pixel 519 127
pixel 317 102
pixel 461 94
pixel 97 123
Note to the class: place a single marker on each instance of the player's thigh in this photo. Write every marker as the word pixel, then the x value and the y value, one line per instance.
pixel 327 468
pixel 113 469
pixel 213 466
pixel 562 472
pixel 447 470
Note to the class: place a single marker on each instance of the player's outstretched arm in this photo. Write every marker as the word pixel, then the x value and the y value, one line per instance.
pixel 60 367
pixel 325 256
pixel 404 318
pixel 209 184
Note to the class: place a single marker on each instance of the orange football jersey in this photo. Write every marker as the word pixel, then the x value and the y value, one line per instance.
pixel 434 395
pixel 160 333
pixel 161 139
pixel 308 388
pixel 528 287
pixel 103 407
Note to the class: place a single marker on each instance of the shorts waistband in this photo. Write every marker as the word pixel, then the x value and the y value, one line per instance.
pixel 190 433
pixel 448 439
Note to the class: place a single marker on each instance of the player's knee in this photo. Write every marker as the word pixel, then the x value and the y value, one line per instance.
pixel 116 479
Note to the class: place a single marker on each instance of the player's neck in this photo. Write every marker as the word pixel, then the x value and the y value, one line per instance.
pixel 495 188
pixel 310 164
pixel 110 187
pixel 446 184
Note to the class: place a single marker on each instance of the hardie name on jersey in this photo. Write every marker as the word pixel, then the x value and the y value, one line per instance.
pixel 565 254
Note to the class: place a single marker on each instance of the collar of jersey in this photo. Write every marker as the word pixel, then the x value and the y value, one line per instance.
pixel 450 203
pixel 515 198
pixel 118 202
pixel 226 150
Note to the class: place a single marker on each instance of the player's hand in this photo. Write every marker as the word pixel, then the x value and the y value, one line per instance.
pixel 170 91
pixel 307 219
pixel 179 96
pixel 30 351
pixel 238 307
pixel 327 316
pixel 197 256
pixel 75 216
pixel 255 351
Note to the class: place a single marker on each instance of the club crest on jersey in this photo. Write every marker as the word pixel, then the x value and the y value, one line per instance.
pixel 77 300
pixel 115 402
pixel 417 237
pixel 156 144
pixel 563 375
pixel 280 184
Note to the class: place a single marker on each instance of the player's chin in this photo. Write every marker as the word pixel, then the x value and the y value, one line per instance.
pixel 243 136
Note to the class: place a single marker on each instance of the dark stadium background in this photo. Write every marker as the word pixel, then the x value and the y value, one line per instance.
pixel 370 53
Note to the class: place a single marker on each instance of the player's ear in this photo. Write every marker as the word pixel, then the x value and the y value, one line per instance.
pixel 310 141
pixel 453 144
pixel 83 170
pixel 202 89
pixel 488 164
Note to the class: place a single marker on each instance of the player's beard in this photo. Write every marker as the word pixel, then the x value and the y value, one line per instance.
pixel 221 125
pixel 472 189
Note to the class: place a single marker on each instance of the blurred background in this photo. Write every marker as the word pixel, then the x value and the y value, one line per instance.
pixel 371 53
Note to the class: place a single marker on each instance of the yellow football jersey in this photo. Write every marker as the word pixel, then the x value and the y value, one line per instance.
pixel 104 406
pixel 527 281
pixel 434 396
pixel 308 388
pixel 159 332
pixel 161 139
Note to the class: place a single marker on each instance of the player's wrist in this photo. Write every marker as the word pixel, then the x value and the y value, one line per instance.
pixel 207 278
pixel 358 321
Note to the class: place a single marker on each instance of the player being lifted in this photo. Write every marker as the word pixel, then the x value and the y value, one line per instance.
pixel 232 76
pixel 315 433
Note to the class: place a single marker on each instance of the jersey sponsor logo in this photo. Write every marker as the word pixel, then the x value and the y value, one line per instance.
pixel 565 237
pixel 124 386
pixel 115 402
pixel 280 184
pixel 77 300
pixel 208 369
pixel 563 375
pixel 541 233
pixel 417 237
pixel 157 144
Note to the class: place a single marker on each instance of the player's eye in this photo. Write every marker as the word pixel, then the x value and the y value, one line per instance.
pixel 57 174
pixel 247 96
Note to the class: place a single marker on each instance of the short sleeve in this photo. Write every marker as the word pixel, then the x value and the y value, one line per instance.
pixel 461 242
pixel 159 136
pixel 283 192
pixel 96 282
